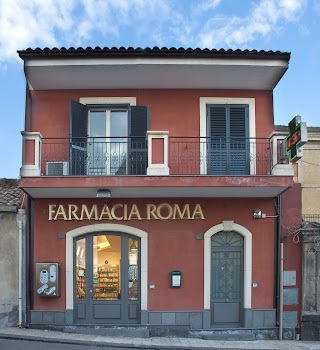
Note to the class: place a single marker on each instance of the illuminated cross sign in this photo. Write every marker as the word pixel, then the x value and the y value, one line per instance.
pixel 296 139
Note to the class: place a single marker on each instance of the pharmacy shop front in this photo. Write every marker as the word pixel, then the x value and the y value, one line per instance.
pixel 179 262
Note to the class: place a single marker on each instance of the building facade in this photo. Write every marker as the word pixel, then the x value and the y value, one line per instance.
pixel 153 188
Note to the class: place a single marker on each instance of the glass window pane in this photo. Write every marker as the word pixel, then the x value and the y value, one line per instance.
pixel 133 275
pixel 118 145
pixel 106 267
pixel 97 143
pixel 81 269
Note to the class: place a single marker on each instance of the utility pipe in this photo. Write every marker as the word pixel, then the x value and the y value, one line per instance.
pixel 20 271
pixel 281 292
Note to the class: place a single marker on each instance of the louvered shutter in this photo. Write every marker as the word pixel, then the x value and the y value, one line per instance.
pixel 227 148
pixel 239 143
pixel 78 138
pixel 138 151
pixel 217 140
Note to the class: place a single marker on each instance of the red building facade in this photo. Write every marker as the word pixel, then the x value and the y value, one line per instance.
pixel 143 170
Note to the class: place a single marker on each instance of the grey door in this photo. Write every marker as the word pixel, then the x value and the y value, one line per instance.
pixel 107 279
pixel 226 279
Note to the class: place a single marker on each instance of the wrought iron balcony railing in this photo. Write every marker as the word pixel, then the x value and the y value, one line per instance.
pixel 94 156
pixel 129 156
pixel 122 156
pixel 224 156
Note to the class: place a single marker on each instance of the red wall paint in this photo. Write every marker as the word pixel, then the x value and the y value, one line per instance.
pixel 175 110
pixel 171 245
pixel 50 109
pixel 292 249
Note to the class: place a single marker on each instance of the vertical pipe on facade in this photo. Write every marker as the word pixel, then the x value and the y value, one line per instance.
pixel 20 271
pixel 280 268
pixel 21 275
pixel 281 293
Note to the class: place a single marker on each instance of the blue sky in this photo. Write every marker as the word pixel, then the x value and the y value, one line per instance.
pixel 285 25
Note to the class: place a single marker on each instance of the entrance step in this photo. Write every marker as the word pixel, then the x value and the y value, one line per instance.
pixel 230 337
pixel 236 334
pixel 110 331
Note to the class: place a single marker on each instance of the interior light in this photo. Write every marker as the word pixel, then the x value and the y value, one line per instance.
pixel 133 246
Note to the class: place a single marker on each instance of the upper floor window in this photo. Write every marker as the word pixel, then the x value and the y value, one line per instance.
pixel 108 139
pixel 228 146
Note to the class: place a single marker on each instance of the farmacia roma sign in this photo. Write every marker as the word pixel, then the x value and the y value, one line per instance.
pixel 125 212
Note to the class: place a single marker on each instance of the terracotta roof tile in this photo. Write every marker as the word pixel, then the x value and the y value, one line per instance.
pixel 10 194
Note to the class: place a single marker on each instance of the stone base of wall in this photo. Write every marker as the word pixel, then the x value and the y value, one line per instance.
pixel 310 327
pixel 192 319
pixel 259 323
pixel 10 318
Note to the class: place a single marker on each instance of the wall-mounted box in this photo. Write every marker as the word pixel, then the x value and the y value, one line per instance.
pixel 47 279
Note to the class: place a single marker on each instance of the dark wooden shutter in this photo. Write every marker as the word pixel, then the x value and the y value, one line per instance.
pixel 138 151
pixel 78 138
pixel 228 146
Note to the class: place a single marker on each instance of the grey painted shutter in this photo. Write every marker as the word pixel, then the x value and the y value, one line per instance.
pixel 228 146
pixel 138 151
pixel 217 140
pixel 78 138
pixel 239 163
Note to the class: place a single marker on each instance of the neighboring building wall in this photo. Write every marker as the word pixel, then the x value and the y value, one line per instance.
pixel 310 324
pixel 9 239
pixel 292 256
pixel 307 171
pixel 310 174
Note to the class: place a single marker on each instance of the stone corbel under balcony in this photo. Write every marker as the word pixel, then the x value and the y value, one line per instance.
pixel 158 153
pixel 282 170
pixel 31 162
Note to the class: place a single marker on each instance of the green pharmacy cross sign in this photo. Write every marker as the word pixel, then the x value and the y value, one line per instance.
pixel 296 139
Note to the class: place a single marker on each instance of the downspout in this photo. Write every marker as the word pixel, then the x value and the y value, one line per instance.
pixel 281 292
pixel 280 266
pixel 21 320
pixel 20 272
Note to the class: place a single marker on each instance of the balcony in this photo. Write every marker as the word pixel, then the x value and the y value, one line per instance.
pixel 160 162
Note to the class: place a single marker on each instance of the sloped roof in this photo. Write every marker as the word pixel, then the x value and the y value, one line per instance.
pixel 10 194
pixel 163 52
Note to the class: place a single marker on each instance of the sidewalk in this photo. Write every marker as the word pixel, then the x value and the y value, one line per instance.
pixel 153 343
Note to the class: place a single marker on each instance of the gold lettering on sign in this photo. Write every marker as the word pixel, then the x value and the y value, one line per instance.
pixel 182 214
pixel 134 212
pixel 151 211
pixel 125 212
pixel 113 214
pixel 105 212
pixel 85 211
pixel 197 213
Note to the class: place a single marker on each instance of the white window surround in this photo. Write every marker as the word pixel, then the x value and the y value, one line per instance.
pixel 101 228
pixel 247 269
pixel 204 101
pixel 132 101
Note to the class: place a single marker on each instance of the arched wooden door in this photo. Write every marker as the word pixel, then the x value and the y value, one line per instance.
pixel 226 279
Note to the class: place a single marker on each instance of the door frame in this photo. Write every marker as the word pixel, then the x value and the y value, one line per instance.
pixel 247 261
pixel 218 303
pixel 70 235
pixel 124 305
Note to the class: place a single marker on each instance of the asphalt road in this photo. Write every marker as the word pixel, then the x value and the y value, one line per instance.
pixel 9 344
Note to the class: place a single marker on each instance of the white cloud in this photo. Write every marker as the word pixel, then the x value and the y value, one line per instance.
pixel 266 17
pixel 38 23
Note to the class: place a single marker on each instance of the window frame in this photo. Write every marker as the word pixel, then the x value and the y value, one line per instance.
pixel 224 101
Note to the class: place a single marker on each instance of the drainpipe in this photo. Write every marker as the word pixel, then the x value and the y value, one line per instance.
pixel 281 292
pixel 20 272
pixel 20 253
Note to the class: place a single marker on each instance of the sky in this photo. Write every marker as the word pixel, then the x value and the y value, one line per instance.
pixel 284 25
